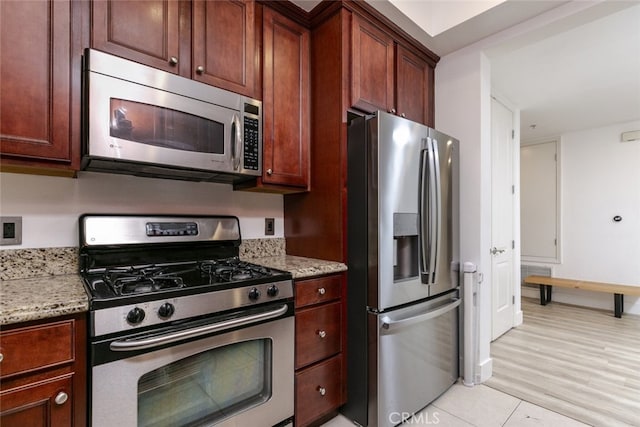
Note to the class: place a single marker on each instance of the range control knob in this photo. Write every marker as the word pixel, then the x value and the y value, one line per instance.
pixel 254 294
pixel 273 290
pixel 166 310
pixel 135 316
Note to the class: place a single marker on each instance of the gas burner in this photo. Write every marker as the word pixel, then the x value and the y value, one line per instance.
pixel 232 270
pixel 144 279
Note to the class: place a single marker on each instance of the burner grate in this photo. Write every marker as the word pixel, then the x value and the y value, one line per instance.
pixel 135 280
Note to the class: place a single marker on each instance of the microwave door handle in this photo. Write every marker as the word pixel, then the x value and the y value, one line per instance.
pixel 423 216
pixel 437 210
pixel 236 142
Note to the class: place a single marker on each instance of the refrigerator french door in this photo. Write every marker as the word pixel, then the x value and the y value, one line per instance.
pixel 403 259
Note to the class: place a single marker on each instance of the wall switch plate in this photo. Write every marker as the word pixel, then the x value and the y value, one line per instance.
pixel 11 230
pixel 269 227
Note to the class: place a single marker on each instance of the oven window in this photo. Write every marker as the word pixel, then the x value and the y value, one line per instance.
pixel 207 387
pixel 163 127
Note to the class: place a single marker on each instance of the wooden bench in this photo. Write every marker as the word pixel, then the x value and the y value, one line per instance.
pixel 618 291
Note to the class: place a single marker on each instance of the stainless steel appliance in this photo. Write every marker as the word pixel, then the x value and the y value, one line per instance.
pixel 181 331
pixel 403 258
pixel 143 121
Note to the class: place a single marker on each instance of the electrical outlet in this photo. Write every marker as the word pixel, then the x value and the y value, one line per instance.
pixel 269 227
pixel 11 230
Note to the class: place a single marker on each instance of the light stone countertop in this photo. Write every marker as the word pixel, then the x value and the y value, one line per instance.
pixel 36 298
pixel 300 267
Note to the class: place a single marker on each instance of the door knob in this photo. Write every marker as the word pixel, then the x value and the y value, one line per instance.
pixel 495 250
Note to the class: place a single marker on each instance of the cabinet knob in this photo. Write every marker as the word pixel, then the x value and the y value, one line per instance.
pixel 1 357
pixel 61 398
pixel 392 111
pixel 200 69
pixel 322 390
pixel 269 171
pixel 322 334
pixel 173 60
pixel 403 115
pixel 322 291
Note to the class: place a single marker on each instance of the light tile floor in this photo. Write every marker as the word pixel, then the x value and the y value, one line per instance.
pixel 479 406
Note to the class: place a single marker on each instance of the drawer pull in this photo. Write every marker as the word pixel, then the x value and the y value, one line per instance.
pixel 61 398
pixel 322 334
pixel 322 291
pixel 322 390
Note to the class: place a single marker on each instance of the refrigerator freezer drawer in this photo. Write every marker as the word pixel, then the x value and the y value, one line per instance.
pixel 417 356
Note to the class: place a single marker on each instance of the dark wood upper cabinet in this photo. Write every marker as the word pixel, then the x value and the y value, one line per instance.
pixel 164 33
pixel 414 84
pixel 387 76
pixel 224 44
pixel 146 31
pixel 40 80
pixel 286 105
pixel 372 71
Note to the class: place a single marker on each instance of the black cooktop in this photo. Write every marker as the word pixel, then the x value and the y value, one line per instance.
pixel 181 278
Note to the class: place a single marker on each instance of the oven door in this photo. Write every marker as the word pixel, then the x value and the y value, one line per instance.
pixel 239 378
pixel 137 123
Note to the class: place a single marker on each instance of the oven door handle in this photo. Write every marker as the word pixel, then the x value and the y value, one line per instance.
pixel 156 341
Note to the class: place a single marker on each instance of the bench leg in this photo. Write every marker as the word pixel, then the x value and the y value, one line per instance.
pixel 618 302
pixel 545 294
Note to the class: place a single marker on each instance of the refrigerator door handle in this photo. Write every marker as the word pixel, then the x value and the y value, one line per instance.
pixel 390 324
pixel 436 218
pixel 424 202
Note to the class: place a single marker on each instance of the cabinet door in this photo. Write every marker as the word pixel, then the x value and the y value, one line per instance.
pixel 145 31
pixel 372 72
pixel 224 44
pixel 286 108
pixel 36 80
pixel 414 80
pixel 46 404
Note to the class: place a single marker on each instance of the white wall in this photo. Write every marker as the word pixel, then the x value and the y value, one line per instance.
pixel 50 206
pixel 600 179
pixel 462 107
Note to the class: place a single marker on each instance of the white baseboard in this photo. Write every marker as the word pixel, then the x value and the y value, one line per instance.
pixel 484 370
pixel 518 318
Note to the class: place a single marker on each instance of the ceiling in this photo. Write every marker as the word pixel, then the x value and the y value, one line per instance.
pixel 580 75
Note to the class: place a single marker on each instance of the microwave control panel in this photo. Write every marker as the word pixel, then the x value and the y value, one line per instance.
pixel 251 144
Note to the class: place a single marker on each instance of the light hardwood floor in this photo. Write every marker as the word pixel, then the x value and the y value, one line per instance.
pixel 580 362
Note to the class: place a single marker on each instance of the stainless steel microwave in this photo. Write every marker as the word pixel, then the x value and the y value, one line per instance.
pixel 142 121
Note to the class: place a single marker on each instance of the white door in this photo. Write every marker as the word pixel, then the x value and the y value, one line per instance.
pixel 502 195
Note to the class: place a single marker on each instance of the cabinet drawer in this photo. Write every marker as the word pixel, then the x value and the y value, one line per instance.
pixel 48 403
pixel 28 349
pixel 316 291
pixel 318 333
pixel 318 390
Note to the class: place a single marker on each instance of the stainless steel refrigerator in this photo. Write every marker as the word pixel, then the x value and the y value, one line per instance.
pixel 403 257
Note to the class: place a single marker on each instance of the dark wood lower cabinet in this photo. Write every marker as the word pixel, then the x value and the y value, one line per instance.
pixel 318 390
pixel 319 378
pixel 43 373
pixel 39 404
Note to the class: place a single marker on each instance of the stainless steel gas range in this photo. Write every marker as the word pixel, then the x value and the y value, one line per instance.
pixel 182 332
